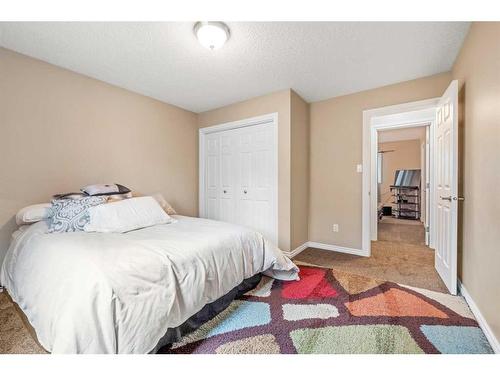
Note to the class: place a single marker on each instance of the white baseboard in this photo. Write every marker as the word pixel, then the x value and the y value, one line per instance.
pixel 324 246
pixel 339 249
pixel 480 318
pixel 296 251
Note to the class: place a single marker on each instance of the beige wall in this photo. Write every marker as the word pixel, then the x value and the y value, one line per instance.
pixel 279 102
pixel 299 204
pixel 61 130
pixel 406 155
pixel 478 71
pixel 336 148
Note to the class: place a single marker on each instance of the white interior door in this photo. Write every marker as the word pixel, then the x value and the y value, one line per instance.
pixel 446 160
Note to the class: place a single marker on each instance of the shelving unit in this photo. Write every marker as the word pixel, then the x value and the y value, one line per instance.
pixel 406 202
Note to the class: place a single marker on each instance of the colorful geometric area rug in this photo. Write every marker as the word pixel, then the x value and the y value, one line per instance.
pixel 329 311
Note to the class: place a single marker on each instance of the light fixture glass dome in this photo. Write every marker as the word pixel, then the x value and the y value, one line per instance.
pixel 211 35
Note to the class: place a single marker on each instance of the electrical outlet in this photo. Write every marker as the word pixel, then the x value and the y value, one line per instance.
pixel 335 227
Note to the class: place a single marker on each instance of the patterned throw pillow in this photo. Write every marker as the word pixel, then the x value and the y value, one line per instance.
pixel 71 215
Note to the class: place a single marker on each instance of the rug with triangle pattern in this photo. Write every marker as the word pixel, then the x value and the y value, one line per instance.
pixel 329 311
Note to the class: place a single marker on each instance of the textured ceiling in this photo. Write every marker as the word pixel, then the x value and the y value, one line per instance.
pixel 318 60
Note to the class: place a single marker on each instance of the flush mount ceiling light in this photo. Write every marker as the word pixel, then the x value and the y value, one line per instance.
pixel 211 35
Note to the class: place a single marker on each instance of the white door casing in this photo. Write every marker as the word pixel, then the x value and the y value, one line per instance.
pixel 394 117
pixel 391 117
pixel 427 201
pixel 446 140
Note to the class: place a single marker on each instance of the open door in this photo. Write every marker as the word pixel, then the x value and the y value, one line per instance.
pixel 446 144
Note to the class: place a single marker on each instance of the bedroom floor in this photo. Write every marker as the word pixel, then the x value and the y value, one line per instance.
pixel 399 230
pixel 15 337
pixel 400 256
pixel 327 311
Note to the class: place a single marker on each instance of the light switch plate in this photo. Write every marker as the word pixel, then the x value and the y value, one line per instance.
pixel 359 168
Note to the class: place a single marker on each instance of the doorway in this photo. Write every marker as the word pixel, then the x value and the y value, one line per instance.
pixel 403 159
pixel 440 115
pixel 402 184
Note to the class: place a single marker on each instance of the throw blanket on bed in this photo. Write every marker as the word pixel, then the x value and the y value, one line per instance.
pixel 120 292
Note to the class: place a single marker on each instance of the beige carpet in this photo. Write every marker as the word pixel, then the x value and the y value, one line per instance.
pixel 15 337
pixel 393 220
pixel 407 233
pixel 399 256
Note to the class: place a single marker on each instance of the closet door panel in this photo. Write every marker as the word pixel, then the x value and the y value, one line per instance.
pixel 244 204
pixel 254 181
pixel 227 177
pixel 212 183
pixel 262 185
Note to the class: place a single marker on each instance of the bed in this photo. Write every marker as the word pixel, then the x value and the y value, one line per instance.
pixel 133 292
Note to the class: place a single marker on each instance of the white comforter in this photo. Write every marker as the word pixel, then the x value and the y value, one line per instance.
pixel 118 293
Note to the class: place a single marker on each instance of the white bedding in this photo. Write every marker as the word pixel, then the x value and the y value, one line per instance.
pixel 119 292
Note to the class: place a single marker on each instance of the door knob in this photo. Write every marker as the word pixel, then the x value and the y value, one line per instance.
pixel 244 191
pixel 458 198
pixel 225 191
pixel 448 198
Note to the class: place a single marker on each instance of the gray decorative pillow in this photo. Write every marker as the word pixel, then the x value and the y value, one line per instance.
pixel 71 215
pixel 105 189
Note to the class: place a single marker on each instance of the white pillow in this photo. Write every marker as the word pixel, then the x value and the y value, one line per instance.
pixel 126 215
pixel 33 213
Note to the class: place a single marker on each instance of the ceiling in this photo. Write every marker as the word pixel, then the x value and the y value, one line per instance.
pixel 406 134
pixel 318 60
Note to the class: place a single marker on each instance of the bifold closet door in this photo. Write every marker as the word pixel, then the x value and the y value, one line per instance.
pixel 212 176
pixel 255 179
pixel 220 174
pixel 241 177
pixel 227 209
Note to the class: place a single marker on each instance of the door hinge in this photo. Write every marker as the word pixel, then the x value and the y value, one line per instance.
pixel 427 229
pixel 428 185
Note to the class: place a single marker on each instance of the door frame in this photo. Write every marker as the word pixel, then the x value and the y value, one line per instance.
pixel 391 117
pixel 272 120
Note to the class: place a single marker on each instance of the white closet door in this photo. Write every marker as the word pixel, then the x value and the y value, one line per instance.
pixel 255 196
pixel 227 176
pixel 240 177
pixel 212 179
pixel 244 209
